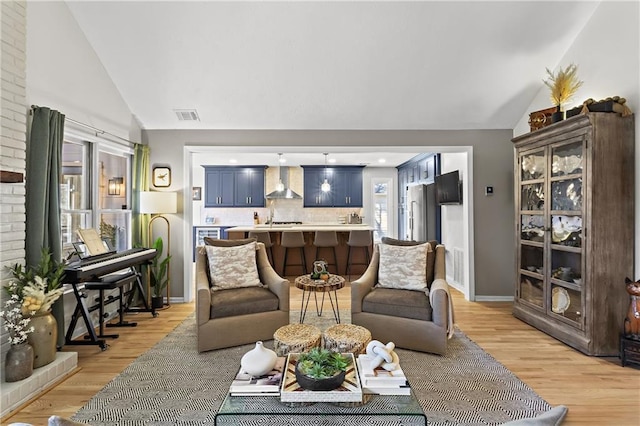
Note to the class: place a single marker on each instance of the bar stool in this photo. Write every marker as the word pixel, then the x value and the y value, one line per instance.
pixel 327 239
pixel 264 237
pixel 362 239
pixel 293 239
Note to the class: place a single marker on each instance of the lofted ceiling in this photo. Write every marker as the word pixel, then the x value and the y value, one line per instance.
pixel 330 65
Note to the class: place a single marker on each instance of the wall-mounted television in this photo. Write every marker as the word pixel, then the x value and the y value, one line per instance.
pixel 449 188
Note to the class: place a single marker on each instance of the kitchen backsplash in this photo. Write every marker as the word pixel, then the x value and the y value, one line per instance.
pixel 284 211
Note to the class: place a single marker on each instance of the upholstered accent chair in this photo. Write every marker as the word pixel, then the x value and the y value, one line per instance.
pixel 401 303
pixel 232 310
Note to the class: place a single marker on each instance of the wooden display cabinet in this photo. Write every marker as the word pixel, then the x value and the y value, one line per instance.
pixel 574 192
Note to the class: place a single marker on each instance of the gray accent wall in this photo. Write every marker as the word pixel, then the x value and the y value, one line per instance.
pixel 492 166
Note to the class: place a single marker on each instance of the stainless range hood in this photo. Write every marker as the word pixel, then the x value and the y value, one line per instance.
pixel 286 192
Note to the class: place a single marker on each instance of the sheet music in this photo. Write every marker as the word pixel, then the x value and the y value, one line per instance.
pixel 92 240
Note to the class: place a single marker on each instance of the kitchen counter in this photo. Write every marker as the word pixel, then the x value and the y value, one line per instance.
pixel 308 230
pixel 305 227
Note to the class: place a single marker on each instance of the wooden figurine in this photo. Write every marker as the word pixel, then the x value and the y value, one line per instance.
pixel 632 321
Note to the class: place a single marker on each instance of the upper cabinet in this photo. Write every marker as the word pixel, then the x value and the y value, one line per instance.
pixel 249 187
pixel 218 187
pixel 574 189
pixel 420 169
pixel 234 186
pixel 346 186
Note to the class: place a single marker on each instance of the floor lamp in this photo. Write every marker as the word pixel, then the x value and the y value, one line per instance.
pixel 158 203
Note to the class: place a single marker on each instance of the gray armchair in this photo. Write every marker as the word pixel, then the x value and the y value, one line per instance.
pixel 411 319
pixel 238 316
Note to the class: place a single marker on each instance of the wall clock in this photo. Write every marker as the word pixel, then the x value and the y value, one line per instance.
pixel 161 177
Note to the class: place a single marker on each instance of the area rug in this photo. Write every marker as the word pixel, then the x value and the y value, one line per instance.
pixel 172 384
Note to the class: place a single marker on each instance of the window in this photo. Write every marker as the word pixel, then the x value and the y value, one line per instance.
pixel 95 191
pixel 75 200
pixel 381 196
pixel 114 215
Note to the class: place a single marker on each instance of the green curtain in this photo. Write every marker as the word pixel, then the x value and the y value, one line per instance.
pixel 140 222
pixel 42 198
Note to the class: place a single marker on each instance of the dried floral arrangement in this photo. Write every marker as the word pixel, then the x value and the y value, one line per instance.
pixel 31 291
pixel 564 84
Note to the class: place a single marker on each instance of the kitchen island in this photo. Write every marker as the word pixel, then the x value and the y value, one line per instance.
pixel 308 230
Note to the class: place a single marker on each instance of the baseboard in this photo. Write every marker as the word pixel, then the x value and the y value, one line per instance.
pixel 494 298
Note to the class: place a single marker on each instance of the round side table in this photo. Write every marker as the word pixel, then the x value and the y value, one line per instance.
pixel 296 338
pixel 308 286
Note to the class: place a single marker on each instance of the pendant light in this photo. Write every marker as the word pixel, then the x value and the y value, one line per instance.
pixel 280 185
pixel 325 187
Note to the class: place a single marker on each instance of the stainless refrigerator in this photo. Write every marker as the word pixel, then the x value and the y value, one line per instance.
pixel 423 216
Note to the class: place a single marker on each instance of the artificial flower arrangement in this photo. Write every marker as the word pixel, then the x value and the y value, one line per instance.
pixel 563 85
pixel 31 291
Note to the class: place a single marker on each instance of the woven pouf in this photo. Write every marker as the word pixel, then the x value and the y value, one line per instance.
pixel 296 338
pixel 347 338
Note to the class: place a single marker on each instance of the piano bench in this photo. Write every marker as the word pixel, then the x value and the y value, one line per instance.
pixel 111 283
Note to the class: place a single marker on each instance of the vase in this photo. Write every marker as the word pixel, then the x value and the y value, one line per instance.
pixel 18 364
pixel 558 115
pixel 259 360
pixel 43 339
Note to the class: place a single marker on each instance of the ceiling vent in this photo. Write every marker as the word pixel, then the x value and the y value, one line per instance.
pixel 187 114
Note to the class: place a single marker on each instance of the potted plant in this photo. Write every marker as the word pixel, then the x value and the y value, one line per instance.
pixel 321 369
pixel 563 85
pixel 158 278
pixel 34 290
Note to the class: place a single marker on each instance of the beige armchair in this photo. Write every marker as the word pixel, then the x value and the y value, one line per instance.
pixel 238 316
pixel 411 319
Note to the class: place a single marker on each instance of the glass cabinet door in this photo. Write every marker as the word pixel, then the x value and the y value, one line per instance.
pixel 565 298
pixel 531 259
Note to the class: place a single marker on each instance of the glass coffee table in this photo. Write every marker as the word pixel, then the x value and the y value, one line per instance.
pixel 376 410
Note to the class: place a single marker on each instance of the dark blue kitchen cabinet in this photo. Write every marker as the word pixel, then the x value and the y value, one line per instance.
pixel 346 186
pixel 230 186
pixel 420 169
pixel 313 178
pixel 218 187
pixel 249 187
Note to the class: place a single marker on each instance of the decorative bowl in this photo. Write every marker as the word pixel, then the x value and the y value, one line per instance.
pixel 312 384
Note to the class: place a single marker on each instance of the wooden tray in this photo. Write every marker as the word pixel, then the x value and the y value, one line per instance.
pixel 349 391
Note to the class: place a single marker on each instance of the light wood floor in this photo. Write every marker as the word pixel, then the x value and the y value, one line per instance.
pixel 597 391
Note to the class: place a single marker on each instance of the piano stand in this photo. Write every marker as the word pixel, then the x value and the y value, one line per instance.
pixel 132 281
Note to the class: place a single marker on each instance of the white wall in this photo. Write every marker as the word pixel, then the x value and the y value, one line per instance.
pixel 607 53
pixel 453 220
pixel 64 73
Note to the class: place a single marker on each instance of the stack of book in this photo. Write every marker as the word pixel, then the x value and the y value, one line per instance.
pixel 244 384
pixel 380 381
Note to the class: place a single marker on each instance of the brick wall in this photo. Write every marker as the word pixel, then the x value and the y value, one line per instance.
pixel 13 115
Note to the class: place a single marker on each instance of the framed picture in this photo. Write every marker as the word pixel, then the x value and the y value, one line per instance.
pixel 196 193
pixel 161 177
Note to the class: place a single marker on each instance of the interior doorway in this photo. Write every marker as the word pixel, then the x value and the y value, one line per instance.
pixel 467 286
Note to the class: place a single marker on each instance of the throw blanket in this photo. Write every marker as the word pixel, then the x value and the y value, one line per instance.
pixel 441 285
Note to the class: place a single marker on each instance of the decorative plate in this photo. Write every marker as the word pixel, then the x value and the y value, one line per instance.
pixel 559 300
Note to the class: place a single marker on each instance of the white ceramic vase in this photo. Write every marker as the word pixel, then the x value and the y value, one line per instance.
pixel 259 360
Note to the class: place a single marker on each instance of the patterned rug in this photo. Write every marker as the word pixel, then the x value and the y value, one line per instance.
pixel 172 384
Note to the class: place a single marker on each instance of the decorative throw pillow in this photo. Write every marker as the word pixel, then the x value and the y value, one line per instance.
pixel 403 267
pixel 233 267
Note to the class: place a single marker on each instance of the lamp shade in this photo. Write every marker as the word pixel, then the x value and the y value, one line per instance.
pixel 152 202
